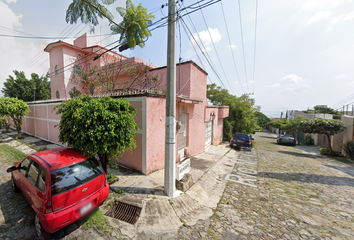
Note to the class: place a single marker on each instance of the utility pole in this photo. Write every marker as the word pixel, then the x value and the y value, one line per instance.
pixel 170 141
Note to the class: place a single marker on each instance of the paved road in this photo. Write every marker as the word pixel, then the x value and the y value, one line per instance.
pixel 282 192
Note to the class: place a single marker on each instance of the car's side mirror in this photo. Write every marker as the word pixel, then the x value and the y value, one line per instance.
pixel 11 169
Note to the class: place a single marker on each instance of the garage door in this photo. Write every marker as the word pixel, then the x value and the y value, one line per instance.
pixel 208 133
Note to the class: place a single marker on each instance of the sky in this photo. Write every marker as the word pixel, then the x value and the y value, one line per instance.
pixel 291 55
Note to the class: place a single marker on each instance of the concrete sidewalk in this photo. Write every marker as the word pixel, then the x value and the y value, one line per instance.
pixel 160 216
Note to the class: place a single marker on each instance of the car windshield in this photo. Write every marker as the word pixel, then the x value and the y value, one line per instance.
pixel 67 178
pixel 242 136
pixel 287 137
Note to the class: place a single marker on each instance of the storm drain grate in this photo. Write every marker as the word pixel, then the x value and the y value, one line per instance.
pixel 124 211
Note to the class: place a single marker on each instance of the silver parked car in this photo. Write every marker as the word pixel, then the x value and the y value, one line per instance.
pixel 286 140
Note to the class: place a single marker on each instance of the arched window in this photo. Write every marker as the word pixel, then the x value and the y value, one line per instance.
pixel 57 95
pixel 56 70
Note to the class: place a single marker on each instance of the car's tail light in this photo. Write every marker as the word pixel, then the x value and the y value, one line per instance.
pixel 47 206
pixel 293 139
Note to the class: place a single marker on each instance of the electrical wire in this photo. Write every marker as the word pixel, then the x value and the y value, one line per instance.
pixel 243 46
pixel 255 44
pixel 232 52
pixel 161 25
pixel 222 83
pixel 195 29
pixel 217 54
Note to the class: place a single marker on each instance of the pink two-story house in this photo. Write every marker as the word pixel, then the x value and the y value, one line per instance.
pixel 200 125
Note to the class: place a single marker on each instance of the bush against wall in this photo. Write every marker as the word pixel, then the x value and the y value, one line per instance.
pixel 98 126
pixel 348 148
pixel 15 109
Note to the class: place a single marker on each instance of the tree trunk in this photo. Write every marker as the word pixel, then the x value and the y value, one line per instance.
pixel 329 144
pixel 19 133
pixel 104 161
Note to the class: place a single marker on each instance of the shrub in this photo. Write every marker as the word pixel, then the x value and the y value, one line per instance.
pixel 324 151
pixel 348 148
pixel 308 140
pixel 3 121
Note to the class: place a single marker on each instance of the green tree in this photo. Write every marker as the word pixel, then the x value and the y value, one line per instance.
pixel 261 118
pixel 327 127
pixel 241 110
pixel 40 87
pixel 133 29
pixel 281 124
pixel 36 88
pixel 294 125
pixel 74 93
pixel 102 126
pixel 324 110
pixel 15 109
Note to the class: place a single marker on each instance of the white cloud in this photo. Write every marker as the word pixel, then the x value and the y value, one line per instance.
pixel 15 52
pixel 8 18
pixel 338 19
pixel 204 36
pixel 318 17
pixel 291 79
pixel 10 1
pixel 289 83
pixel 232 46
pixel 320 4
pixel 341 76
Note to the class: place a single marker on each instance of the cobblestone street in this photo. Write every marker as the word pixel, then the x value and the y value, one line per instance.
pixel 297 195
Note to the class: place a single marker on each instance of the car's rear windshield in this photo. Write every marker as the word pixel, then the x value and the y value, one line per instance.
pixel 70 177
pixel 242 135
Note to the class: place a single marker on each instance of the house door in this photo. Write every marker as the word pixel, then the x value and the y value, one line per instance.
pixel 208 133
pixel 182 132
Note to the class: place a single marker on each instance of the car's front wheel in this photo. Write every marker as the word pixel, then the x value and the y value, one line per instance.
pixel 13 185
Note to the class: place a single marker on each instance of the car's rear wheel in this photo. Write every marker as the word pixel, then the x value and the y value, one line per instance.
pixel 38 226
pixel 13 185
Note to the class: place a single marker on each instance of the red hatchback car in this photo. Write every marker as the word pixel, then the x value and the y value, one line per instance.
pixel 61 185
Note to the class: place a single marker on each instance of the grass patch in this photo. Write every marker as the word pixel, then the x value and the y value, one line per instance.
pixel 184 223
pixel 255 144
pixel 98 219
pixel 214 216
pixel 29 145
pixel 9 154
pixel 212 234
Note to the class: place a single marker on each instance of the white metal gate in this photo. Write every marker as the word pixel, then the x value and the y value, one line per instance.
pixel 182 132
pixel 208 133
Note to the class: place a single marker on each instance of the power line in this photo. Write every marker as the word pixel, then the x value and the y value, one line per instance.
pixel 255 44
pixel 243 47
pixel 195 29
pixel 222 83
pixel 343 101
pixel 201 62
pixel 232 52
pixel 211 38
pixel 41 38
pixel 161 25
